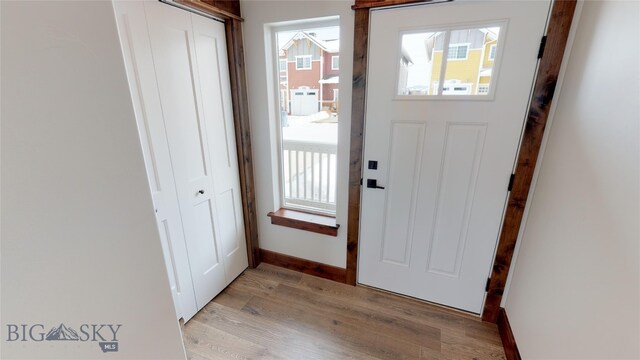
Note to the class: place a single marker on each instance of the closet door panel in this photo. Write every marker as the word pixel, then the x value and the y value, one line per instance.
pixel 132 28
pixel 215 101
pixel 173 54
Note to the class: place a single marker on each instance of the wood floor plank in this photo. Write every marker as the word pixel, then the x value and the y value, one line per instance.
pixel 282 340
pixel 430 354
pixel 380 301
pixel 333 327
pixel 233 297
pixel 456 347
pixel 377 322
pixel 192 355
pixel 275 313
pixel 206 340
pixel 483 331
pixel 282 275
pixel 256 285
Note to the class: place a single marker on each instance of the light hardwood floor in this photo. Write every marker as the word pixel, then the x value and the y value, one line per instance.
pixel 274 313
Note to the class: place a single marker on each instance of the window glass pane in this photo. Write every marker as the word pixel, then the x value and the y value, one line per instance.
pixel 468 70
pixel 458 51
pixel 303 63
pixel 469 67
pixel 416 64
pixel 309 118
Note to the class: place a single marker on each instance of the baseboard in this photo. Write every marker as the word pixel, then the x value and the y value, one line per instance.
pixel 508 341
pixel 304 266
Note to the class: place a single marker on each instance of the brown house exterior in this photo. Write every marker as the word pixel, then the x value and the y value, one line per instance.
pixel 308 66
pixel 299 78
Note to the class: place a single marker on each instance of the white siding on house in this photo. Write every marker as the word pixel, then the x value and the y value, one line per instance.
pixel 304 47
pixel 475 39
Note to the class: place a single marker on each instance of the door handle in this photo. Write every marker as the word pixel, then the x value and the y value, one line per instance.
pixel 200 192
pixel 373 184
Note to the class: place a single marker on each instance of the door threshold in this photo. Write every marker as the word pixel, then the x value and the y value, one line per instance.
pixel 456 311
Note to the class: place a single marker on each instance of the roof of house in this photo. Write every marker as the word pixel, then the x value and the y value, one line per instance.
pixel 332 45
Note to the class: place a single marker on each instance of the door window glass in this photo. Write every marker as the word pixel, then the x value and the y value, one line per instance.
pixel 467 67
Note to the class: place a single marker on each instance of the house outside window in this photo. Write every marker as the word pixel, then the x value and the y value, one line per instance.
pixel 335 63
pixel 303 62
pixel 458 51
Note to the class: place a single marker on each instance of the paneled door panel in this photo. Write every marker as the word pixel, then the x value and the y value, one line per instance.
pixel 178 72
pixel 173 49
pixel 132 26
pixel 447 92
pixel 217 112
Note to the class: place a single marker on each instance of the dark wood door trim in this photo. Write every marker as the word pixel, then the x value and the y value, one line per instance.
pixel 544 88
pixel 220 9
pixel 370 4
pixel 237 74
pixel 360 52
pixel 538 113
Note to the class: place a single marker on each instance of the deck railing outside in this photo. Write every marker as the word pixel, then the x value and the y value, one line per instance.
pixel 309 173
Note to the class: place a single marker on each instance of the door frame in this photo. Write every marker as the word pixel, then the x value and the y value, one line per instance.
pixel 557 35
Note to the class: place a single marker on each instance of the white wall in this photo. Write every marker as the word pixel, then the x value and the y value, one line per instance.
pixel 575 289
pixel 258 16
pixel 79 239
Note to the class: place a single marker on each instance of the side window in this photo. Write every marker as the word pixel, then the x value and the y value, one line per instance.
pixel 309 118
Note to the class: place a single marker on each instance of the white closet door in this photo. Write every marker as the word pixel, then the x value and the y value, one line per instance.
pixel 213 71
pixel 172 44
pixel 133 31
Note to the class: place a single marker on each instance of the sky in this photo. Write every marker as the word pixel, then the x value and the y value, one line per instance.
pixel 414 45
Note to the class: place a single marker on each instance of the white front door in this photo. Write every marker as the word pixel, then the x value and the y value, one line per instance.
pixel 173 48
pixel 443 121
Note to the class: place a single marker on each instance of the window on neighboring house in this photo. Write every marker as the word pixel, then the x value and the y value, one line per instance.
pixel 283 65
pixel 308 138
pixel 492 52
pixel 458 52
pixel 303 62
pixel 456 89
pixel 335 62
